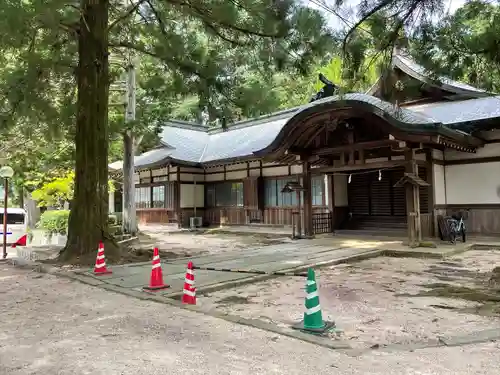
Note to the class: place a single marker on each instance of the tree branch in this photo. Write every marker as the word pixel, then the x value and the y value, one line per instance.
pixel 127 14
pixel 205 14
pixel 223 37
pixel 363 19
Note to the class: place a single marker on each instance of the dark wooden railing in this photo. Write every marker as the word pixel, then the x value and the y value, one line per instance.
pixel 322 222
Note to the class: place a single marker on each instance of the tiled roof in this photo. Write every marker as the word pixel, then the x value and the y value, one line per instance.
pixel 188 142
pixel 244 138
pixel 417 71
pixel 192 143
pixel 457 114
pixel 400 114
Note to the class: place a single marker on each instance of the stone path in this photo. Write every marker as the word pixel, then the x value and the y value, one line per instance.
pixel 274 258
pixel 284 257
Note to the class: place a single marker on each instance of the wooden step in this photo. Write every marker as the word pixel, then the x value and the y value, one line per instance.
pixel 374 233
pixel 377 222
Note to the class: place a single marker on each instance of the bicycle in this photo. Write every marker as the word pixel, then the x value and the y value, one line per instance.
pixel 456 224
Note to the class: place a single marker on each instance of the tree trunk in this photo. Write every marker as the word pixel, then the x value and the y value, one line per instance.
pixel 88 221
pixel 20 196
pixel 32 212
pixel 129 217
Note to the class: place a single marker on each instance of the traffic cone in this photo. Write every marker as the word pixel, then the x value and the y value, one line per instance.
pixel 100 262
pixel 156 281
pixel 189 295
pixel 21 241
pixel 313 319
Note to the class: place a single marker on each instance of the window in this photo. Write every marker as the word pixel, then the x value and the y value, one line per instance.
pixel 275 198
pixel 224 194
pixel 160 178
pixel 152 196
pixel 13 218
pixel 317 188
pixel 143 197
pixel 273 195
pixel 159 196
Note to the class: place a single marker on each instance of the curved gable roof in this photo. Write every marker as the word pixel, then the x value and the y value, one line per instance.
pixel 400 119
pixel 194 144
pixel 418 72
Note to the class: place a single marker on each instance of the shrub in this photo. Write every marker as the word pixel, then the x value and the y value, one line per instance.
pixel 115 219
pixel 54 222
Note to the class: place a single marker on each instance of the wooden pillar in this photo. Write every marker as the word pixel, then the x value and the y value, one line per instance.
pixel 350 139
pixel 177 197
pixel 299 214
pixel 330 192
pixel 431 192
pixel 413 201
pixel 306 183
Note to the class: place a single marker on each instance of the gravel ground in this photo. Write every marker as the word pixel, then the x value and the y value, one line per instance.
pixel 373 301
pixel 55 326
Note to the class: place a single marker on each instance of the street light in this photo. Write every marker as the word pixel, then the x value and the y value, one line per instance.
pixel 6 172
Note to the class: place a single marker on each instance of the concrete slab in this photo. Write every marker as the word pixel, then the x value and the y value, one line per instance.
pixel 284 250
pixel 263 260
pixel 268 259
pixel 119 271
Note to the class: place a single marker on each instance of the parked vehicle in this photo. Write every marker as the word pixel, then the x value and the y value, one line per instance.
pixel 16 224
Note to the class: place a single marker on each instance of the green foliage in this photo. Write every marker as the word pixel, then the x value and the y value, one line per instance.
pixel 115 219
pixel 463 46
pixel 54 222
pixel 204 48
pixel 56 192
pixel 365 77
pixel 215 63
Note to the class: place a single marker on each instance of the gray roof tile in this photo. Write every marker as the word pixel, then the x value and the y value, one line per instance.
pixel 194 144
pixel 454 113
pixel 408 66
pixel 399 113
pixel 188 142
pixel 242 141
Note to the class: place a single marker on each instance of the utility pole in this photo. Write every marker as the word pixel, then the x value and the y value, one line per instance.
pixel 129 221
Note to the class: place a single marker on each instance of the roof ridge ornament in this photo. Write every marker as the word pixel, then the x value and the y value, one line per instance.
pixel 329 89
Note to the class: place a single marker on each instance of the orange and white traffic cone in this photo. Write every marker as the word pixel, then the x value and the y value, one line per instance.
pixel 189 295
pixel 100 262
pixel 156 281
pixel 20 242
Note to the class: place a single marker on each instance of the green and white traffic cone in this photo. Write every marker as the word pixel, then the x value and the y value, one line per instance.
pixel 313 319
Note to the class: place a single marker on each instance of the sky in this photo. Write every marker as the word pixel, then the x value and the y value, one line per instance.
pixel 335 22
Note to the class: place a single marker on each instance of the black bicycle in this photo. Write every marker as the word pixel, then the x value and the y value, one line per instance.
pixel 456 225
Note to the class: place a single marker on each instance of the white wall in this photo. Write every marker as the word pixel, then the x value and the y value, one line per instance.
pixel 439 184
pixel 192 194
pixel 340 190
pixel 473 183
